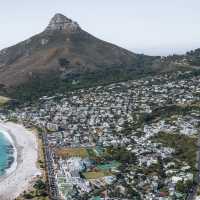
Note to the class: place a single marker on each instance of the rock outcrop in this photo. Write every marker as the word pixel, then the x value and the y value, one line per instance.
pixel 60 22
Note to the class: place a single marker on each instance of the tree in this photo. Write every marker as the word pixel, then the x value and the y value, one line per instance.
pixel 39 185
pixel 180 187
pixel 64 62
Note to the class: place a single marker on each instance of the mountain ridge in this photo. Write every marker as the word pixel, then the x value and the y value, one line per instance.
pixel 63 54
pixel 63 49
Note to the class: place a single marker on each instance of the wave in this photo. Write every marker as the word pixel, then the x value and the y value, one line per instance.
pixel 12 167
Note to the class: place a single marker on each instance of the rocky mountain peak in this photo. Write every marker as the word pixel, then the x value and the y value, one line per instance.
pixel 61 22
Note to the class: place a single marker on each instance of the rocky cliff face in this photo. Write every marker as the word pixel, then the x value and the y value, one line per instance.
pixel 60 22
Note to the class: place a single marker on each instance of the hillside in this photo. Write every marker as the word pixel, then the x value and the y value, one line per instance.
pixel 64 55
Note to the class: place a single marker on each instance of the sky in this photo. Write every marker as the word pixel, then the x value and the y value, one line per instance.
pixel 153 27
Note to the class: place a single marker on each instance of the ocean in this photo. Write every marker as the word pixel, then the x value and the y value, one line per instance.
pixel 6 154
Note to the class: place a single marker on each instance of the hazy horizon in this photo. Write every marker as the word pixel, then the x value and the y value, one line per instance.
pixel 153 28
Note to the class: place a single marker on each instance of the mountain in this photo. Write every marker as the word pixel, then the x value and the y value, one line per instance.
pixel 188 61
pixel 62 56
pixel 191 59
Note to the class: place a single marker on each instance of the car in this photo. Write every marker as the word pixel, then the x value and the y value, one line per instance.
pixel 191 190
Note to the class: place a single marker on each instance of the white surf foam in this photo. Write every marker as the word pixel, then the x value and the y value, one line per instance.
pixel 13 166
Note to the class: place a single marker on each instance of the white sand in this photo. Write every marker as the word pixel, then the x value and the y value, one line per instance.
pixel 14 183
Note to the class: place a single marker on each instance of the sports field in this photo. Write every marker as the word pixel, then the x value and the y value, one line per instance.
pixel 3 100
pixel 96 175
pixel 72 152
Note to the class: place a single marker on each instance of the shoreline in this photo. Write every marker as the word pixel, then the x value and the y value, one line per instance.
pixel 24 169
pixel 15 155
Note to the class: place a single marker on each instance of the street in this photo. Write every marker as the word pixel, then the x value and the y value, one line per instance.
pixel 192 194
pixel 53 190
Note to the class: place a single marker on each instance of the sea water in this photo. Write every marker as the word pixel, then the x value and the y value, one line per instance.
pixel 6 154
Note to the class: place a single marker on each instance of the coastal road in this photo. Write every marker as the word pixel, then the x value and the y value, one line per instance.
pixel 53 190
pixel 192 194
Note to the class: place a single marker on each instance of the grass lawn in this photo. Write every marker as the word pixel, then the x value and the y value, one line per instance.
pixel 108 166
pixel 72 152
pixel 3 100
pixel 80 152
pixel 185 147
pixel 96 175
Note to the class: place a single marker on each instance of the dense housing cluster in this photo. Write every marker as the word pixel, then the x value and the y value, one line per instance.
pixel 128 140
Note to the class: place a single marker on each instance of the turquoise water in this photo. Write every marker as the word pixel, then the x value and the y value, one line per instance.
pixel 6 152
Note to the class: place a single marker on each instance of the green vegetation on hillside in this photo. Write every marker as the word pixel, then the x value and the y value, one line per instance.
pixel 52 83
pixel 185 147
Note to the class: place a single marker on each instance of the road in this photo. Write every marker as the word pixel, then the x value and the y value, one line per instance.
pixel 192 194
pixel 53 190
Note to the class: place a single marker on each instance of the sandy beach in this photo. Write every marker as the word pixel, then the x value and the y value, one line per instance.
pixel 24 170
